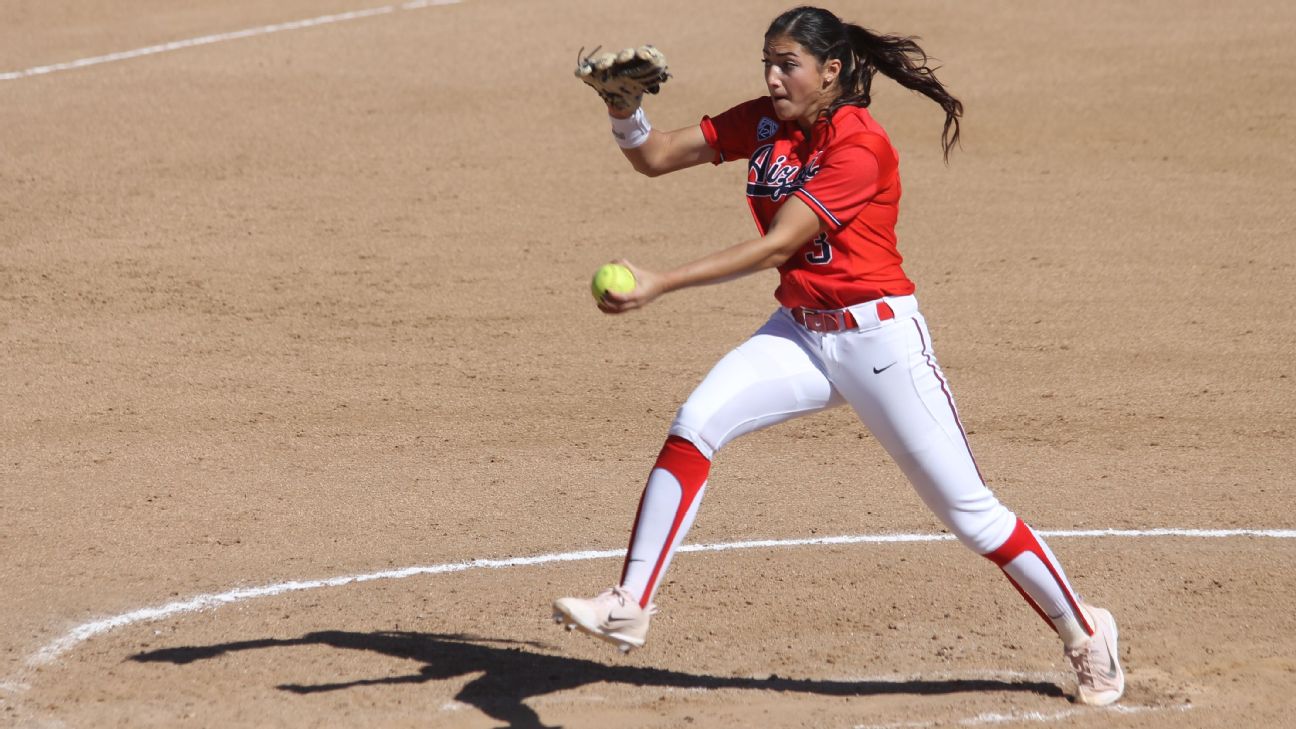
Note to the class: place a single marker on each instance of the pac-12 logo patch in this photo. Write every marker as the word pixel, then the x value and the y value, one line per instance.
pixel 766 129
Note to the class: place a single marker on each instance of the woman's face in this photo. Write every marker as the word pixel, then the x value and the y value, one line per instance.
pixel 798 84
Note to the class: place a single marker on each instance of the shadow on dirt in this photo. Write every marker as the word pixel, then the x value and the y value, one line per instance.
pixel 511 673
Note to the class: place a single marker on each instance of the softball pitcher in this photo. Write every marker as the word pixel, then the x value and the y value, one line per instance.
pixel 823 185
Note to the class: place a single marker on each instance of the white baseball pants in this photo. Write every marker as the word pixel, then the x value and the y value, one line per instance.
pixel 886 371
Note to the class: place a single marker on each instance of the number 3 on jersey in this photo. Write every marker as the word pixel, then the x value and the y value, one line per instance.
pixel 820 252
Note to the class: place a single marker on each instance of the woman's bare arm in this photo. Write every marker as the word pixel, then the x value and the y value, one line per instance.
pixel 793 226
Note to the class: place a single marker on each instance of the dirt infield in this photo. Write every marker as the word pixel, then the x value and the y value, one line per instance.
pixel 313 303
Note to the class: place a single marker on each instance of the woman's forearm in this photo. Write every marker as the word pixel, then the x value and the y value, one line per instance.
pixel 727 264
pixel 653 152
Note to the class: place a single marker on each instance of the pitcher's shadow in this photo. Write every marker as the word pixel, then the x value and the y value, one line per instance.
pixel 512 672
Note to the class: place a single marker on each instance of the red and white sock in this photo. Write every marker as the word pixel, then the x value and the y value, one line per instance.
pixel 666 512
pixel 1031 567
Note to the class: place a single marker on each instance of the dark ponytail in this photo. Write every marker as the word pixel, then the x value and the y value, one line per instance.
pixel 863 54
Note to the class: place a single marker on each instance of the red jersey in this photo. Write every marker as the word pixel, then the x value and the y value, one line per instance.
pixel 848 173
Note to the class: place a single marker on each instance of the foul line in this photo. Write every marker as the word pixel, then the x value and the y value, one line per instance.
pixel 84 632
pixel 222 37
pixel 1022 717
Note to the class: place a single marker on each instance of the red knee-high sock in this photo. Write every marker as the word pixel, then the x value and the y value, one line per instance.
pixel 666 511
pixel 1030 566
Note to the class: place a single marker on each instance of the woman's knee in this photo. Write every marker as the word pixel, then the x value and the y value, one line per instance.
pixel 691 424
pixel 985 529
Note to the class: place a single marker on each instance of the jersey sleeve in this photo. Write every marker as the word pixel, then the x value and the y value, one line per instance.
pixel 732 134
pixel 850 175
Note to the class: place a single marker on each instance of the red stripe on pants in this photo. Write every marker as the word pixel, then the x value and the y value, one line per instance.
pixel 1021 541
pixel 685 462
pixel 949 397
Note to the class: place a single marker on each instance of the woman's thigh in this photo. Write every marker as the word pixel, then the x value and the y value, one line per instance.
pixel 774 376
pixel 892 380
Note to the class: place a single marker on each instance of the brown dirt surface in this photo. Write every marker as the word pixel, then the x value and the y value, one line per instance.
pixel 314 304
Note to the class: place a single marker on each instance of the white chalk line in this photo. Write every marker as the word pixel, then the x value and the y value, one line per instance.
pixel 85 631
pixel 991 718
pixel 1022 717
pixel 222 37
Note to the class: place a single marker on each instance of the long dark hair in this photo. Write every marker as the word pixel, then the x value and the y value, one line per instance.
pixel 862 54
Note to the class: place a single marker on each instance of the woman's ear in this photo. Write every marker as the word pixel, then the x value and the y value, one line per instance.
pixel 831 70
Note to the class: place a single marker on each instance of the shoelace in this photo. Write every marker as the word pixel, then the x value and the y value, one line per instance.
pixel 623 596
pixel 1082 661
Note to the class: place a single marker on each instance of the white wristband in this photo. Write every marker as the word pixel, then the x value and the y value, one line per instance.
pixel 632 132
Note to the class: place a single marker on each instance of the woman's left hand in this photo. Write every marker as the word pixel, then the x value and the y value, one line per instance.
pixel 648 286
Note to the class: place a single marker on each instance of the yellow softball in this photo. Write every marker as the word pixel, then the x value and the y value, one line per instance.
pixel 611 277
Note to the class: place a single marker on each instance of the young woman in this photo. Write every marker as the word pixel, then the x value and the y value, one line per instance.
pixel 824 187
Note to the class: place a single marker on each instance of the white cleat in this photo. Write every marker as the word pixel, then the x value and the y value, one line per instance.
pixel 614 615
pixel 1099 678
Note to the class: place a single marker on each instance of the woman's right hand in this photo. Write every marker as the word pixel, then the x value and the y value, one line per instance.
pixel 648 286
